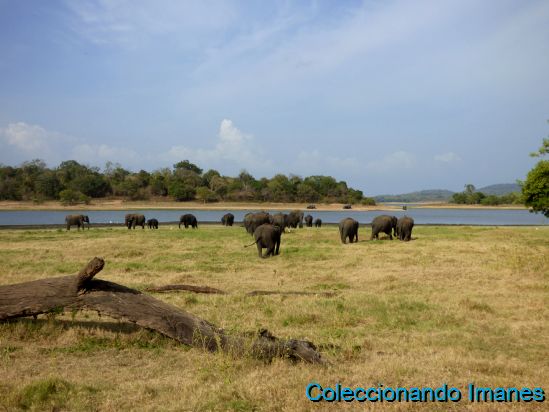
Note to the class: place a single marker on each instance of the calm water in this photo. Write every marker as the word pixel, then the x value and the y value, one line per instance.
pixel 496 217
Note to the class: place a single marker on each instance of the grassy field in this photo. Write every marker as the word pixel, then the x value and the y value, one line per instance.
pixel 456 305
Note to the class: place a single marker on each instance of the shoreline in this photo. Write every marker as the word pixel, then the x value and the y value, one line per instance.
pixel 119 204
pixel 53 226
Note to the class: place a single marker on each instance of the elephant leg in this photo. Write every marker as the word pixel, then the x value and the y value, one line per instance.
pixel 259 249
pixel 278 246
pixel 68 227
pixel 270 250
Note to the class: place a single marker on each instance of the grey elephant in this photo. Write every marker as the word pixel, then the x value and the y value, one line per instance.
pixel 295 219
pixel 188 220
pixel 267 236
pixel 318 222
pixel 253 220
pixel 77 220
pixel 152 223
pixel 131 220
pixel 309 221
pixel 348 229
pixel 385 224
pixel 227 219
pixel 280 220
pixel 404 228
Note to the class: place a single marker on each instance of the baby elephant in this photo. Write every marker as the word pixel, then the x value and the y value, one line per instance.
pixel 152 223
pixel 318 222
pixel 267 236
pixel 309 221
pixel 404 228
pixel 227 219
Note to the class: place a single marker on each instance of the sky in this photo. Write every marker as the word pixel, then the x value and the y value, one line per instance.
pixel 390 96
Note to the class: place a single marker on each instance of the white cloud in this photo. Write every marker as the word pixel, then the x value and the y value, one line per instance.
pixel 233 147
pixel 27 141
pixel 29 138
pixel 397 160
pixel 449 157
pixel 129 24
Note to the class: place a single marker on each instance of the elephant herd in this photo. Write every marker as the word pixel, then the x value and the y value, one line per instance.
pixel 402 228
pixel 267 229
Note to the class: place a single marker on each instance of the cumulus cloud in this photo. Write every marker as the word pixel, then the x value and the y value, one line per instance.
pixel 233 147
pixel 29 138
pixel 449 157
pixel 25 141
pixel 398 160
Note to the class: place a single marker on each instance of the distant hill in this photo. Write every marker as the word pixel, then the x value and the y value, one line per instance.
pixel 439 195
pixel 499 189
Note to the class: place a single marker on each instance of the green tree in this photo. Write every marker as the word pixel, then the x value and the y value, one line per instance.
pixel 535 189
pixel 181 191
pixel 73 197
pixel 186 165
pixel 206 194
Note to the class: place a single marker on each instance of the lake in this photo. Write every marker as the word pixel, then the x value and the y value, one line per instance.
pixel 488 217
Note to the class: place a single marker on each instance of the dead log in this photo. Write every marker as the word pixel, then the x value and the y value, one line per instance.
pixel 82 292
pixel 289 293
pixel 188 288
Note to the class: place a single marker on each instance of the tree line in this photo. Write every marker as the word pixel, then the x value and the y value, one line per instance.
pixel 72 182
pixel 470 196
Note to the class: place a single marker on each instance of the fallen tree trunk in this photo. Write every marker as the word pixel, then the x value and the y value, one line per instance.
pixel 188 288
pixel 82 292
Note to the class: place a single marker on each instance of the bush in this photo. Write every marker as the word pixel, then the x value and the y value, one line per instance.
pixel 368 201
pixel 181 192
pixel 73 197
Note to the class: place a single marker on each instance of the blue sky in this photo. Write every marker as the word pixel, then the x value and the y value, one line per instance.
pixel 391 96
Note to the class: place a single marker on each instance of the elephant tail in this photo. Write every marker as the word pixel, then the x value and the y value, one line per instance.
pixel 251 244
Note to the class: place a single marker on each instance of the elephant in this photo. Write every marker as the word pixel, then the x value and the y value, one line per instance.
pixel 280 220
pixel 77 220
pixel 385 224
pixel 347 206
pixel 267 236
pixel 152 223
pixel 295 219
pixel 309 221
pixel 253 220
pixel 227 219
pixel 131 220
pixel 404 228
pixel 188 220
pixel 348 228
pixel 311 207
pixel 318 222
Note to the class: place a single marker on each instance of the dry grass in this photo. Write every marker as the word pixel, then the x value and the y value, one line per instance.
pixel 456 305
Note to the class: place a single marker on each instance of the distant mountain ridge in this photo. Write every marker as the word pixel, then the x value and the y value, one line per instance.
pixel 443 195
pixel 500 189
pixel 439 195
